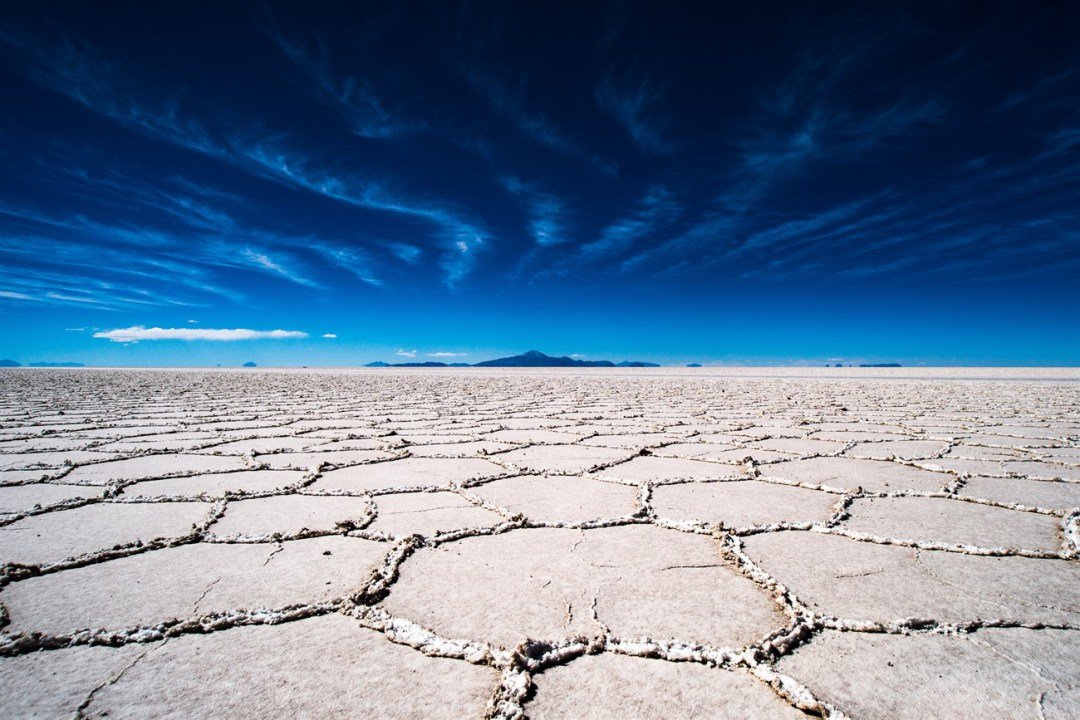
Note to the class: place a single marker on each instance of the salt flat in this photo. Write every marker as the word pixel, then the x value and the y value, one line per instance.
pixel 737 543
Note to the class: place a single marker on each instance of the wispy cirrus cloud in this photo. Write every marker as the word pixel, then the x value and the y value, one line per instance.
pixel 329 336
pixel 810 122
pixel 63 282
pixel 78 72
pixel 138 333
pixel 1061 142
pixel 12 295
pixel 831 221
pixel 547 214
pixel 445 354
pixel 198 231
pixel 817 112
pixel 830 134
pixel 1051 89
pixel 406 253
pixel 351 94
pixel 508 100
pixel 801 159
pixel 460 238
pixel 191 205
pixel 277 265
pixel 401 352
pixel 658 208
pixel 355 261
pixel 975 223
pixel 109 257
pixel 632 97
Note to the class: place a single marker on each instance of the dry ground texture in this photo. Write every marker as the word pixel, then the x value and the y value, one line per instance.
pixel 556 544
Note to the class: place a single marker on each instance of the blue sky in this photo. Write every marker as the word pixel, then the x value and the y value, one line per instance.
pixel 757 183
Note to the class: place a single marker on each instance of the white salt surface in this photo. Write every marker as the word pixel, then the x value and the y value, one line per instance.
pixel 709 542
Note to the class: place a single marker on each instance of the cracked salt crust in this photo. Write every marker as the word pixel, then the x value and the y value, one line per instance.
pixel 1043 471
pixel 533 436
pixel 31 460
pixel 407 472
pixel 315 460
pixel 163 585
pixel 571 459
pixel 650 468
pixel 333 668
pixel 946 521
pixel 800 446
pixel 900 449
pixel 52 537
pixel 559 499
pixel 851 474
pixel 253 482
pixel 486 544
pixel 469 448
pixel 55 684
pixel 860 580
pixel 742 504
pixel 150 466
pixel 1056 496
pixel 288 515
pixel 428 513
pixel 16 499
pixel 612 685
pixel 539 583
pixel 890 676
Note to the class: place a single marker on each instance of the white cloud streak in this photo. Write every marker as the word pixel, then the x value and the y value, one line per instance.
pixel 137 333
pixel 275 265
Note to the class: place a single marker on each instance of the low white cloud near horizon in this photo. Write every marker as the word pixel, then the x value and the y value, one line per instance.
pixel 138 332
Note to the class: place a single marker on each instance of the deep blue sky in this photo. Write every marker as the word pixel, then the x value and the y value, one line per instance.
pixel 739 183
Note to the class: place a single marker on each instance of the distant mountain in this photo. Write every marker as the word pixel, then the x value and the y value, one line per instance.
pixel 248 364
pixel 55 364
pixel 535 358
pixel 9 363
pixel 693 365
